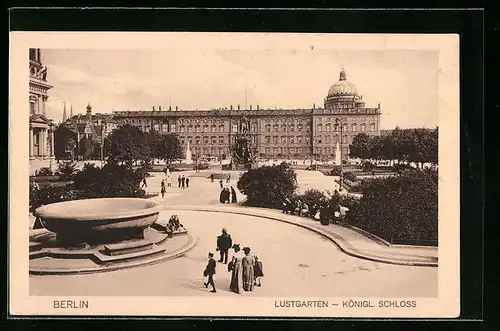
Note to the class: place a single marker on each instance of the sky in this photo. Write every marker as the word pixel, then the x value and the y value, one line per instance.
pixel 404 82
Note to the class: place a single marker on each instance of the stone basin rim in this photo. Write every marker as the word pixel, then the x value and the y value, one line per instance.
pixel 46 212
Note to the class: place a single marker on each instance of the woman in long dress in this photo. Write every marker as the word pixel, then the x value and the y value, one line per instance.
pixel 236 268
pixel 248 270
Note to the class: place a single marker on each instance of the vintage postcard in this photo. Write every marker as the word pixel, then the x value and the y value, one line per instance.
pixel 234 174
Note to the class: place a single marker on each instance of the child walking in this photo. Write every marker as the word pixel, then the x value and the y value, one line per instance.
pixel 258 271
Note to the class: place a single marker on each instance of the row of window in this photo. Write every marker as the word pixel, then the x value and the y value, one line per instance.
pixel 253 128
pixel 213 140
pixel 336 127
pixel 299 150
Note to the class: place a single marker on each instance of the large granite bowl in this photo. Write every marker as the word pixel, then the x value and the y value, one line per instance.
pixel 99 220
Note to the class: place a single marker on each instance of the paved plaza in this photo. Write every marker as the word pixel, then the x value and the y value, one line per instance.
pixel 297 262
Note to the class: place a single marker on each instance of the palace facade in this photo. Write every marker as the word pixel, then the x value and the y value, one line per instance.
pixel 273 133
pixel 41 128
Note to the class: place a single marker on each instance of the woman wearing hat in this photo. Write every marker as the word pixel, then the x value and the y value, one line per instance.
pixel 248 264
pixel 236 268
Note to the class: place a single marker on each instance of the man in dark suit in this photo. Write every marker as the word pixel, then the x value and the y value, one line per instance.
pixel 210 272
pixel 224 243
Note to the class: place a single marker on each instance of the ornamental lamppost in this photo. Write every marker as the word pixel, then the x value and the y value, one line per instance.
pixel 338 122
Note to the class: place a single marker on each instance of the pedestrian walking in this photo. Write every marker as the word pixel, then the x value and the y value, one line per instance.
pixel 169 181
pixel 224 243
pixel 163 190
pixel 179 180
pixel 210 272
pixel 187 181
pixel 220 183
pixel 144 182
pixel 212 178
pixel 183 182
pixel 228 179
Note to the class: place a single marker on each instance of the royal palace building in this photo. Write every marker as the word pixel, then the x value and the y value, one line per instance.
pixel 273 133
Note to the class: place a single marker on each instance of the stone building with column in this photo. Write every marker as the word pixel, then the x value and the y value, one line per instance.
pixel 41 128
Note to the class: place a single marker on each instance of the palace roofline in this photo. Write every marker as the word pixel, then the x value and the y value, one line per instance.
pixel 260 112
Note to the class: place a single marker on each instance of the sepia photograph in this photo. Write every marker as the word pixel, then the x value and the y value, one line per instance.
pixel 305 175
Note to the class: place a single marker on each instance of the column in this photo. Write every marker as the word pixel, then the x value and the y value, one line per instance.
pixel 44 99
pixel 38 105
pixel 42 142
pixel 31 142
pixel 51 143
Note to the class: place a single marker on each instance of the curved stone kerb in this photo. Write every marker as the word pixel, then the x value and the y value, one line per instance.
pixel 342 244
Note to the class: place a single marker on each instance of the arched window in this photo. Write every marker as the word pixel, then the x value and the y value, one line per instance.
pixel 221 128
pixel 172 127
pixel 182 128
pixel 319 127
pixel 268 128
pixel 205 128
pixel 354 127
pixel 276 128
pixel 328 128
pixel 372 127
pixel 283 140
pixel 190 128
pixel 336 127
pixel 363 127
pixel 214 129
pixel 344 127
pixel 235 127
pixel 292 128
pixel 197 128
pixel 283 128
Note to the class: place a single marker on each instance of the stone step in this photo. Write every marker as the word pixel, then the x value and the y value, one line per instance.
pixel 128 247
pixel 100 258
pixel 35 246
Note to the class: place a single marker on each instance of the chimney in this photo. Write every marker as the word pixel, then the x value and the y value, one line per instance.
pixel 153 108
pixel 176 108
pixel 238 107
pixel 250 107
pixel 258 107
pixel 231 107
pixel 159 108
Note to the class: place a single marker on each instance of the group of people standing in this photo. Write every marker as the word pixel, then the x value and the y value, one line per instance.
pixel 246 269
pixel 183 181
pixel 228 195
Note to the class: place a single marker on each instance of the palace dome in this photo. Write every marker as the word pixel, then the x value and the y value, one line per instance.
pixel 343 87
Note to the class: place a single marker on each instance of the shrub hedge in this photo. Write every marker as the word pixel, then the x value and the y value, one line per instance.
pixel 268 186
pixel 399 207
pixel 111 181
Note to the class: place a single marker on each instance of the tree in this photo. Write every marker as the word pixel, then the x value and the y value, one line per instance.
pixel 86 148
pixel 268 186
pixel 170 148
pixel 126 145
pixel 64 143
pixel 361 146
